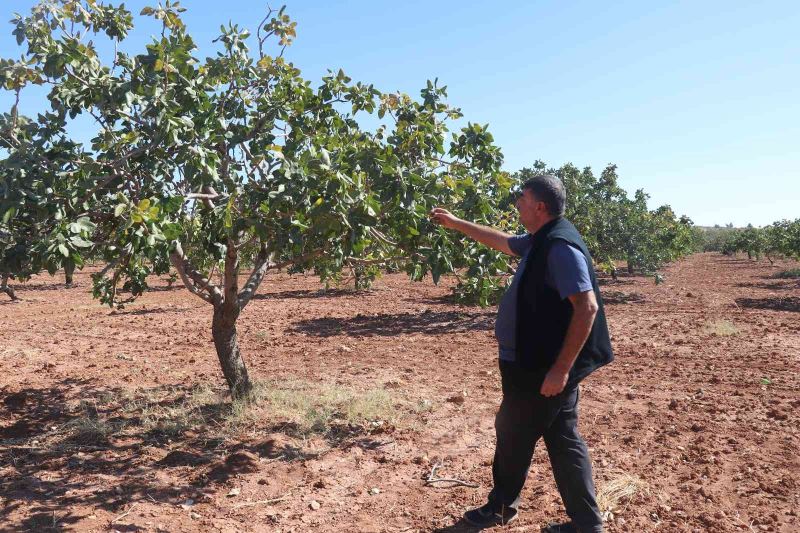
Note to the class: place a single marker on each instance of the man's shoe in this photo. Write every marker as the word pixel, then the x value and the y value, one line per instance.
pixel 569 527
pixel 486 516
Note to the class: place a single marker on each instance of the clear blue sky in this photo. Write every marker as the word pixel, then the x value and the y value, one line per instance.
pixel 696 102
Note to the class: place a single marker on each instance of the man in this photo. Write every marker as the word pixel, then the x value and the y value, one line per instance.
pixel 552 333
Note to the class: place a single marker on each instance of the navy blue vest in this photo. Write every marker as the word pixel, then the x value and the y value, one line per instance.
pixel 543 317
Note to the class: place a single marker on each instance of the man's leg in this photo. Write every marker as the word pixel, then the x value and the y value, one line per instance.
pixel 513 452
pixel 523 417
pixel 572 467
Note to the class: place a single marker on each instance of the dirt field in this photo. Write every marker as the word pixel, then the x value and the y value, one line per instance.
pixel 112 420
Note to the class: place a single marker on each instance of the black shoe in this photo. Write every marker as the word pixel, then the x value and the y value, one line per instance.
pixel 567 527
pixel 486 516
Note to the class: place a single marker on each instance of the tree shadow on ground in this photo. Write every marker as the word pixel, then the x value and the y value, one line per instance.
pixel 26 460
pixel 166 288
pixel 302 294
pixel 150 311
pixel 56 441
pixel 774 286
pixel 619 297
pixel 791 303
pixel 727 259
pixel 462 526
pixel 444 299
pixel 427 322
pixel 786 274
pixel 26 287
pixel 611 281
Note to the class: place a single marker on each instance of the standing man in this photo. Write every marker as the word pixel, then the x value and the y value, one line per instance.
pixel 552 333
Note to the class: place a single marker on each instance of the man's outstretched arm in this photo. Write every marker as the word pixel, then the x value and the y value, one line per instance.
pixel 491 237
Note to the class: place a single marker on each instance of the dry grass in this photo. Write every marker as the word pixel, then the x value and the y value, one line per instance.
pixel 89 430
pixel 19 353
pixel 619 490
pixel 721 328
pixel 298 407
pixel 317 408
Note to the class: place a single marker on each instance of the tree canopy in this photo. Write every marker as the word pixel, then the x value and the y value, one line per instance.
pixel 229 160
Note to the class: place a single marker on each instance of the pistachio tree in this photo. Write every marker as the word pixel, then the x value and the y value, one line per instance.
pixel 230 166
pixel 615 226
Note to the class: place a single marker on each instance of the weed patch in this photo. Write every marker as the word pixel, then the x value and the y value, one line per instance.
pixel 721 328
pixel 791 273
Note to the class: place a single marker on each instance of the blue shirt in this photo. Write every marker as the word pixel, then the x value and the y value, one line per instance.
pixel 567 272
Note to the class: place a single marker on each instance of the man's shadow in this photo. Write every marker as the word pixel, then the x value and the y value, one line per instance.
pixel 462 526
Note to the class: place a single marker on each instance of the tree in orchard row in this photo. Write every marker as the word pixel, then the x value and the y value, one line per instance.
pixel 24 249
pixel 231 159
pixel 615 226
pixel 780 238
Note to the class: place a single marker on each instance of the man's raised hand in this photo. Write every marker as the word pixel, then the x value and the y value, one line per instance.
pixel 443 217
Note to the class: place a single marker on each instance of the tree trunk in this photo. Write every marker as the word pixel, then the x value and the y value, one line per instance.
pixel 223 330
pixel 630 268
pixel 6 289
pixel 69 270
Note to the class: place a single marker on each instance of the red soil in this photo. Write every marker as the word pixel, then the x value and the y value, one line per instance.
pixel 700 408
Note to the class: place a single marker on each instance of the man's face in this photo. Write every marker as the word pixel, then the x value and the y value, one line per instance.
pixel 532 212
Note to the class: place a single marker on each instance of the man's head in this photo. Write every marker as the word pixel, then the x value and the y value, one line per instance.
pixel 541 199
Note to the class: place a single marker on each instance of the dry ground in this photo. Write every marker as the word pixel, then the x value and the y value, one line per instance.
pixel 114 420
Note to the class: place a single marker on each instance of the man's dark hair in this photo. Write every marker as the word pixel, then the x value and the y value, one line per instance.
pixel 548 189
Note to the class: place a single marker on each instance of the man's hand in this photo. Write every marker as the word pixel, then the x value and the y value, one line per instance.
pixel 444 217
pixel 489 236
pixel 554 382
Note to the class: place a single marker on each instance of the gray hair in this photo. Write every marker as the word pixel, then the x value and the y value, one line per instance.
pixel 548 189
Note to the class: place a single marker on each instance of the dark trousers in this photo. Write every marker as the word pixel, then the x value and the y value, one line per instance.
pixel 525 416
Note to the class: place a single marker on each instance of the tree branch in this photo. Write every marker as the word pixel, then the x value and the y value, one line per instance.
pixel 256 277
pixel 231 289
pixel 356 261
pixel 193 279
pixel 260 270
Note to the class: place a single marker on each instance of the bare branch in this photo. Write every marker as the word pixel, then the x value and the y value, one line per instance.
pixel 379 261
pixel 260 270
pixel 454 482
pixel 296 260
pixel 207 196
pixel 381 237
pixel 212 193
pixel 231 280
pixel 262 264
pixel 193 279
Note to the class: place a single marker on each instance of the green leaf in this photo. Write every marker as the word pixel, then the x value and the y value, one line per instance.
pixel 80 242
pixel 9 214
pixel 64 250
pixel 119 209
pixel 171 231
pixel 85 224
pixel 277 192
